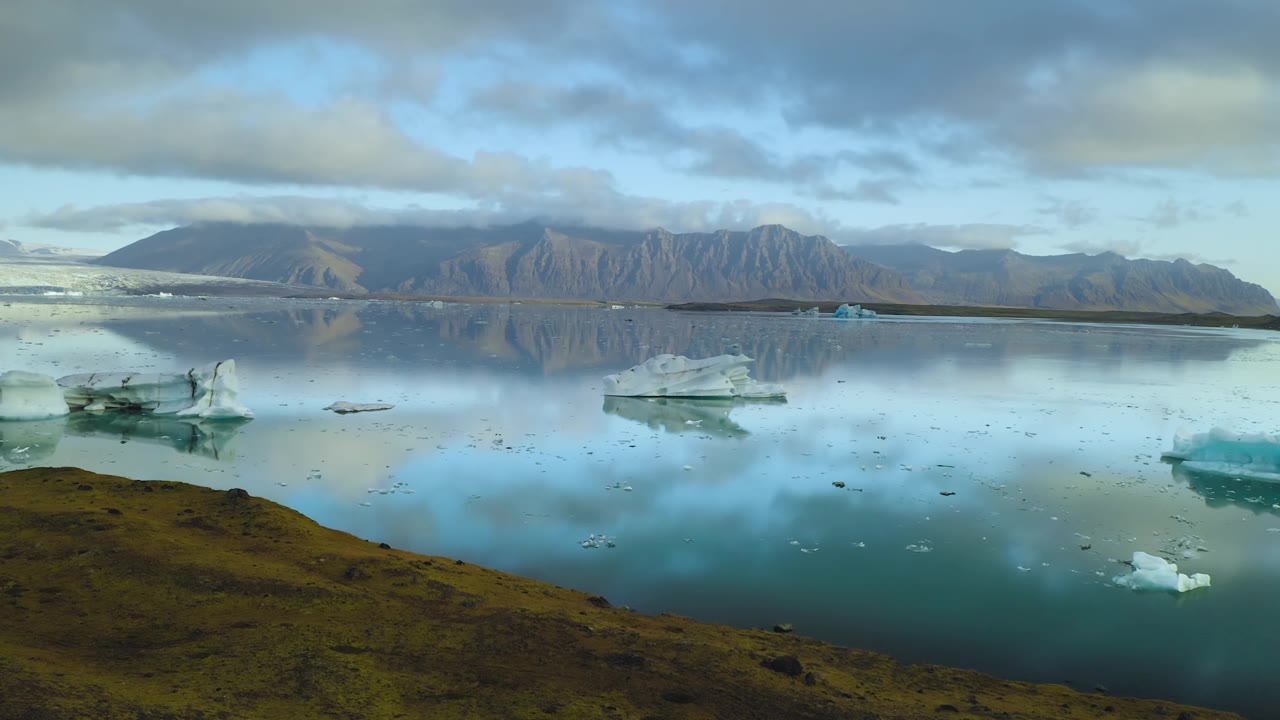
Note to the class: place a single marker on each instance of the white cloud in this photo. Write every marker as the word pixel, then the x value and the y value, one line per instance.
pixel 971 236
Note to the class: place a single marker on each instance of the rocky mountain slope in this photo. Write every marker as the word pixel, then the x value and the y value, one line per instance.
pixel 525 261
pixel 1069 282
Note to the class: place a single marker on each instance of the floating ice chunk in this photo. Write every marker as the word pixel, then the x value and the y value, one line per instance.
pixel 212 391
pixel 811 312
pixel 847 311
pixel 1154 573
pixel 342 407
pixel 1253 456
pixel 722 376
pixel 30 396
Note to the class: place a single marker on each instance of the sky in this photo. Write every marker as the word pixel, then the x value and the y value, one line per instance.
pixel 1150 128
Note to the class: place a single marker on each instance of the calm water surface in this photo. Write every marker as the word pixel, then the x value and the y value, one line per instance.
pixel 501 451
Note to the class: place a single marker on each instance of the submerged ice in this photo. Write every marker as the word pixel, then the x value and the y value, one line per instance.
pixel 722 376
pixel 1253 456
pixel 1155 573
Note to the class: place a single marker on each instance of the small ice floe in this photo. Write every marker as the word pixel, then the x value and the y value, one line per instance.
pixel 809 550
pixel 811 312
pixel 597 540
pixel 722 376
pixel 1250 456
pixel 922 546
pixel 687 467
pixel 624 487
pixel 342 407
pixel 1154 573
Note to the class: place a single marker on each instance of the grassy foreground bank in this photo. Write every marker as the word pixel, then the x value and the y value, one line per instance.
pixel 150 600
pixel 1263 322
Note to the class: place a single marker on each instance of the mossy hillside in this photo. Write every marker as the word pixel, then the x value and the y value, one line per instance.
pixel 129 599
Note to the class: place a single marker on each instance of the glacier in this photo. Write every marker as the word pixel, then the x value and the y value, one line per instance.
pixel 666 375
pixel 30 396
pixel 1156 573
pixel 211 391
pixel 1249 456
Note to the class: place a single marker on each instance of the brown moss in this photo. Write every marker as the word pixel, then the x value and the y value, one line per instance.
pixel 242 608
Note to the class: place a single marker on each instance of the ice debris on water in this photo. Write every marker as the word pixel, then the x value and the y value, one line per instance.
pixel 342 407
pixel 597 540
pixel 1251 456
pixel 666 375
pixel 922 546
pixel 1155 573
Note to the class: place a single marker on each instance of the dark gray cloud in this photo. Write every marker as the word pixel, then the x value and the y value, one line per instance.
pixel 1059 88
pixel 971 236
pixel 622 119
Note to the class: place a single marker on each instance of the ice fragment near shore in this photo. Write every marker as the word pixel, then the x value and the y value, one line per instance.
pixel 1154 573
pixel 30 396
pixel 1253 456
pixel 211 391
pixel 722 376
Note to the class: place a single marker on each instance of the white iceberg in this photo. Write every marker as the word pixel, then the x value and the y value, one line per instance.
pixel 1155 573
pixel 722 376
pixel 847 311
pixel 342 407
pixel 211 391
pixel 1251 456
pixel 30 396
pixel 811 312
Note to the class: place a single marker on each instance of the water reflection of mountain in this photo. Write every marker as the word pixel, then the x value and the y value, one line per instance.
pixel 25 442
pixel 1223 491
pixel 678 415
pixel 549 339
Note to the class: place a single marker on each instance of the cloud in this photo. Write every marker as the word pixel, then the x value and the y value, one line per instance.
pixel 604 208
pixel 1070 213
pixel 972 236
pixel 622 119
pixel 1123 248
pixel 1170 214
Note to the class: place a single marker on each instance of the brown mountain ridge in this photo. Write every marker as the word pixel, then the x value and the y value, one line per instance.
pixel 535 261
pixel 525 261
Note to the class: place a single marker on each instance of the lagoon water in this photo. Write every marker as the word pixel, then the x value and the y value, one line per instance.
pixel 501 451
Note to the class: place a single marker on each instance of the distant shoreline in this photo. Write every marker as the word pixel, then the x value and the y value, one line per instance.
pixel 1259 322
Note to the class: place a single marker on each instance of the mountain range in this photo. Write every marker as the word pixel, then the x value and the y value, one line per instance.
pixel 530 260
pixel 1077 281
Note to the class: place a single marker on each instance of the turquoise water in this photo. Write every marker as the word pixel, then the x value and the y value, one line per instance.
pixel 501 451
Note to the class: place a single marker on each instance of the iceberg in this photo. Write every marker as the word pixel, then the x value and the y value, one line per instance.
pixel 1250 456
pixel 1155 573
pixel 847 311
pixel 666 375
pixel 211 391
pixel 30 396
pixel 811 312
pixel 342 407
